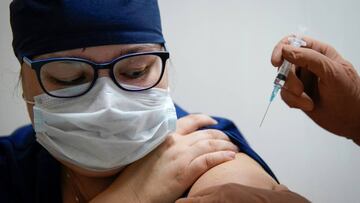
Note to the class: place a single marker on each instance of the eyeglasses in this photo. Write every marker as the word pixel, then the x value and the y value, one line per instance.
pixel 72 77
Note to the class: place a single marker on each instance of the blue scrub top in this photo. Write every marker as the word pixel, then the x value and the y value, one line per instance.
pixel 28 173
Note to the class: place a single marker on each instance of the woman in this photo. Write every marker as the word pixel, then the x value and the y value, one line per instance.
pixel 104 128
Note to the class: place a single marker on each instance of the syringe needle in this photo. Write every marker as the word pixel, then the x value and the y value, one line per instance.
pixel 265 114
pixel 283 73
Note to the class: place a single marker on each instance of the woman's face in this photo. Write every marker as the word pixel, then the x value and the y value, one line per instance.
pixel 99 54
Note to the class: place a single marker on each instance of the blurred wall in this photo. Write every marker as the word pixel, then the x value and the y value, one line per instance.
pixel 221 54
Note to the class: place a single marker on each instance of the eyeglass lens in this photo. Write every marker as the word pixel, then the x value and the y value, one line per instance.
pixel 132 73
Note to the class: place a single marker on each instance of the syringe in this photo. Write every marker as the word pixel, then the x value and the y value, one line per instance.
pixel 283 72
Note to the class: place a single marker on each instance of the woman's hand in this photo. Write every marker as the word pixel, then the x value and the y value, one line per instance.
pixel 324 85
pixel 168 171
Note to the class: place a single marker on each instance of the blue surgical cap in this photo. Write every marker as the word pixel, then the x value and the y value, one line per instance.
pixel 45 26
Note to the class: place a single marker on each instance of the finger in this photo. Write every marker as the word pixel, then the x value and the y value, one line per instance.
pixel 187 200
pixel 203 199
pixel 205 134
pixel 203 163
pixel 303 102
pixel 312 60
pixel 207 146
pixel 276 57
pixel 293 83
pixel 281 187
pixel 193 200
pixel 193 122
pixel 321 47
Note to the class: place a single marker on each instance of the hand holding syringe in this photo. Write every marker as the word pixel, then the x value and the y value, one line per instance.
pixel 284 69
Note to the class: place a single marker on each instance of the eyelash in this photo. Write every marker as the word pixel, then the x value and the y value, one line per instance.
pixel 62 82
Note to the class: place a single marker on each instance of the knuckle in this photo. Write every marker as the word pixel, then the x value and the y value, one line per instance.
pixel 179 155
pixel 285 96
pixel 201 167
pixel 211 144
pixel 208 145
pixel 291 105
pixel 208 161
pixel 180 174
pixel 276 50
pixel 327 48
pixel 273 61
pixel 196 118
pixel 191 118
pixel 347 64
pixel 214 133
pixel 296 54
pixel 205 163
pixel 295 88
pixel 198 166
pixel 203 145
pixel 285 40
pixel 169 141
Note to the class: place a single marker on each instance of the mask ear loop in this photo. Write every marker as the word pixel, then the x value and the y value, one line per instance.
pixel 170 64
pixel 27 101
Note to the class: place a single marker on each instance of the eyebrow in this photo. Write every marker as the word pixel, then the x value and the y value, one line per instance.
pixel 135 49
pixel 141 48
pixel 117 53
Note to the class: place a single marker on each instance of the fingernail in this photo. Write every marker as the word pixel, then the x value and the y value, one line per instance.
pixel 287 50
pixel 308 103
pixel 230 154
pixel 287 47
pixel 214 122
pixel 308 107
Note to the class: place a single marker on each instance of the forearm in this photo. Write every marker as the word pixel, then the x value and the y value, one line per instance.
pixel 114 194
pixel 356 138
pixel 356 135
pixel 352 129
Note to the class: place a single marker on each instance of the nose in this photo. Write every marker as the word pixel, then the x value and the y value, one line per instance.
pixel 104 73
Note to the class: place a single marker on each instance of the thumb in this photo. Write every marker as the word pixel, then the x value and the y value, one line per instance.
pixel 189 200
pixel 212 198
pixel 312 60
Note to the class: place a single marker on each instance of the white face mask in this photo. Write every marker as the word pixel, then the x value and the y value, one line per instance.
pixel 105 129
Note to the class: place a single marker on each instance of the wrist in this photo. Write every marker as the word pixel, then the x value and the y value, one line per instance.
pixel 147 193
pixel 355 134
pixel 114 194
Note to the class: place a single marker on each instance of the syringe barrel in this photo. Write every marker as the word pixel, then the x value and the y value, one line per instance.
pixel 286 66
pixel 283 73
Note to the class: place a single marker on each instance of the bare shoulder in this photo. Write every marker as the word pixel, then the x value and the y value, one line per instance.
pixel 242 170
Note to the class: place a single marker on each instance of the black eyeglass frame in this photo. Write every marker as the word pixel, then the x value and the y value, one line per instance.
pixel 38 64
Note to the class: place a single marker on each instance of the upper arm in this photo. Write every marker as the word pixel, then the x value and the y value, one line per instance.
pixel 242 170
